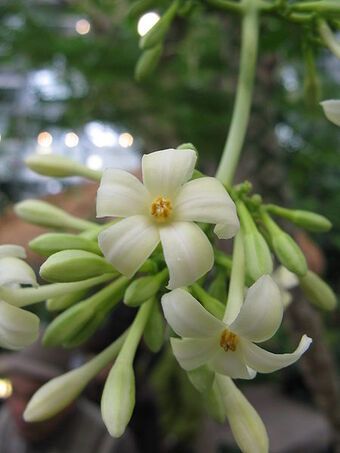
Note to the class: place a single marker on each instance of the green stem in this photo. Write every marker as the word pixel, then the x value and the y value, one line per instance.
pixel 231 153
pixel 328 37
pixel 136 330
pixel 21 297
pixel 318 7
pixel 225 5
pixel 237 278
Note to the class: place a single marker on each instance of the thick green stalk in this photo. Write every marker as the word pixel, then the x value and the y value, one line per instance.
pixel 237 278
pixel 231 153
pixel 329 38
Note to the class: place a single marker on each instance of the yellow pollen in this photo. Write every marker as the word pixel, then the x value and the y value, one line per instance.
pixel 228 340
pixel 161 208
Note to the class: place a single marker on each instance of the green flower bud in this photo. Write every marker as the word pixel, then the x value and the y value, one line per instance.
pixel 59 167
pixel 257 254
pixel 143 288
pixel 74 265
pixel 214 306
pixel 154 329
pixel 118 399
pixel 45 214
pixel 61 391
pixel 149 266
pixel 65 301
pixel 218 287
pixel 148 62
pixel 317 291
pixel 156 35
pixel 289 253
pixel 79 322
pixel 304 219
pixel 202 378
pixel 214 404
pixel 245 423
pixel 50 243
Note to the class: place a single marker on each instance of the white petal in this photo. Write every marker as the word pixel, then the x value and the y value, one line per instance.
pixel 261 314
pixel 332 110
pixel 121 194
pixel 267 362
pixel 191 353
pixel 187 252
pixel 14 270
pixel 15 251
pixel 232 364
pixel 206 200
pixel 165 171
pixel 284 278
pixel 18 327
pixel 128 243
pixel 187 317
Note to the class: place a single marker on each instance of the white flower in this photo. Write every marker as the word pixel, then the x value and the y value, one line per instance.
pixel 18 327
pixel 163 209
pixel 229 349
pixel 285 280
pixel 332 110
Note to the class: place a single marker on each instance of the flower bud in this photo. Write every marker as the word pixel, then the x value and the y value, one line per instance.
pixel 247 427
pixel 143 288
pixel 317 291
pixel 289 253
pixel 331 109
pixel 257 255
pixel 118 399
pixel 154 329
pixel 148 62
pixel 74 265
pixel 58 393
pixel 45 214
pixel 65 301
pixel 214 403
pixel 305 219
pixel 59 166
pixel 218 287
pixel 50 243
pixel 157 33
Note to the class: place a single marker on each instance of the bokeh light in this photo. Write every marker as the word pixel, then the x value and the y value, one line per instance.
pixel 83 26
pixel 6 388
pixel 71 140
pixel 146 22
pixel 125 140
pixel 94 161
pixel 44 139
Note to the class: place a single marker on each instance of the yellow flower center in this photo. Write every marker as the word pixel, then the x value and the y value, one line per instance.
pixel 161 208
pixel 228 340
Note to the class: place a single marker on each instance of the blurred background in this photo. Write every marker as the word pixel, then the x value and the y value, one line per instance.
pixel 67 86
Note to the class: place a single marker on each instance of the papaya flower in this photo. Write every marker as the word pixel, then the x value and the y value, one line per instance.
pixel 163 209
pixel 18 327
pixel 331 109
pixel 229 349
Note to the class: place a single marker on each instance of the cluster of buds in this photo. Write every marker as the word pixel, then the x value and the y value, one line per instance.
pixel 160 252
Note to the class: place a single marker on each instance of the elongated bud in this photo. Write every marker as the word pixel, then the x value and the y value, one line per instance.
pixel 59 167
pixel 79 322
pixel 74 265
pixel 214 306
pixel 154 329
pixel 284 246
pixel 61 391
pixel 118 399
pixel 45 214
pixel 317 291
pixel 202 378
pixel 50 243
pixel 246 425
pixel 289 253
pixel 141 289
pixel 157 33
pixel 213 403
pixel 148 62
pixel 305 219
pixel 331 109
pixel 65 301
pixel 257 254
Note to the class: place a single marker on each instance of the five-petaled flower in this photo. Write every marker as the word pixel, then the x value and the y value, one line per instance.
pixel 18 327
pixel 229 349
pixel 163 209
